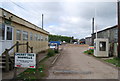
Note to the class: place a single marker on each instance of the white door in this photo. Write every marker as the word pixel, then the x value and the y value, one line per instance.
pixel 7 38
pixel 1 47
pixel 2 37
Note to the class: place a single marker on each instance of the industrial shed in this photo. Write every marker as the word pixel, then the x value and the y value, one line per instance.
pixel 14 28
pixel 88 41
pixel 111 34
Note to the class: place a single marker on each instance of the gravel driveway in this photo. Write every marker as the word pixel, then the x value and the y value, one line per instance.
pixel 73 64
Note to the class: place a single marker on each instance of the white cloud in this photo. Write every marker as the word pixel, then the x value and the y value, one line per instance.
pixel 61 0
pixel 63 17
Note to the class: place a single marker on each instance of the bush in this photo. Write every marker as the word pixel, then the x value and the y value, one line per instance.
pixel 91 51
pixel 56 51
pixel 86 51
pixel 50 53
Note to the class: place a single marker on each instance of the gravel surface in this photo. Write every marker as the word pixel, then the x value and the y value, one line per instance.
pixel 74 64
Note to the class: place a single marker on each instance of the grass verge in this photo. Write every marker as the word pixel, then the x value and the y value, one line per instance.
pixel 89 52
pixel 114 61
pixel 30 74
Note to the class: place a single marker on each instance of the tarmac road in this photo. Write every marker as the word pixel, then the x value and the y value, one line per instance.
pixel 74 64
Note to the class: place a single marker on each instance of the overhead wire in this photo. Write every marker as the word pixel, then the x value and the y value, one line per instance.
pixel 27 11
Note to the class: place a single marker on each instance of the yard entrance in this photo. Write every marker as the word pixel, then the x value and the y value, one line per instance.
pixel 74 64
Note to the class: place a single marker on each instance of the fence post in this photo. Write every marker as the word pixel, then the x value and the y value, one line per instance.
pixel 27 47
pixel 17 46
pixel 17 50
pixel 37 67
pixel 7 60
pixel 31 49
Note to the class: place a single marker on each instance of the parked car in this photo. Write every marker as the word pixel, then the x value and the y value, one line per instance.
pixel 53 46
pixel 58 42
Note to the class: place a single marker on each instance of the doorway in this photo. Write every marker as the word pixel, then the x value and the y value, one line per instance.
pixel 6 38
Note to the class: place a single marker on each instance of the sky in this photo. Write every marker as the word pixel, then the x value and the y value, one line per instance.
pixel 66 17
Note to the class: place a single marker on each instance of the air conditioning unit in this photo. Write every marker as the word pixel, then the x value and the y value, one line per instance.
pixel 101 47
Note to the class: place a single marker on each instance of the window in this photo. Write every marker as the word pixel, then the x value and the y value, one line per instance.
pixel 43 38
pixel 102 46
pixel 95 46
pixel 18 35
pixel 35 37
pixel 115 35
pixel 9 33
pixel 46 39
pixel 31 36
pixel 2 32
pixel 39 37
pixel 25 35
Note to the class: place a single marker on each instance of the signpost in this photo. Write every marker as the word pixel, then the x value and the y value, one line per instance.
pixel 25 60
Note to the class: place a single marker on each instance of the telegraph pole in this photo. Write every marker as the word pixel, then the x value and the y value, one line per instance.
pixel 118 7
pixel 42 20
pixel 92 31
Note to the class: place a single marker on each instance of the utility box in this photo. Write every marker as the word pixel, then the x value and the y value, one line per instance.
pixel 101 47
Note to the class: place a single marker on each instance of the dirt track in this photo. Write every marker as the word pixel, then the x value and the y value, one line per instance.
pixel 73 64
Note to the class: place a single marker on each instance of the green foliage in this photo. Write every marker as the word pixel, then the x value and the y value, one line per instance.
pixel 86 51
pixel 51 53
pixel 59 38
pixel 90 52
pixel 56 51
pixel 29 74
pixel 115 61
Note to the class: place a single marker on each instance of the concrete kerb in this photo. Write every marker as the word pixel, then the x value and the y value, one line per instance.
pixel 53 62
pixel 56 58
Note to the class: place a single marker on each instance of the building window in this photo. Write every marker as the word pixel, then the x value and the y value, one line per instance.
pixel 95 46
pixel 115 35
pixel 9 33
pixel 46 39
pixel 31 36
pixel 102 46
pixel 2 32
pixel 39 37
pixel 25 35
pixel 18 35
pixel 35 37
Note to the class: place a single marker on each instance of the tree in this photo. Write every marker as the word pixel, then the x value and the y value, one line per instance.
pixel 59 38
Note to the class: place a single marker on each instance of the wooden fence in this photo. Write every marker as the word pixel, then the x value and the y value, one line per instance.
pixel 7 56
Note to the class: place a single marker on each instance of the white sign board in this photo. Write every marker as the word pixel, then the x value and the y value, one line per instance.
pixel 25 60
